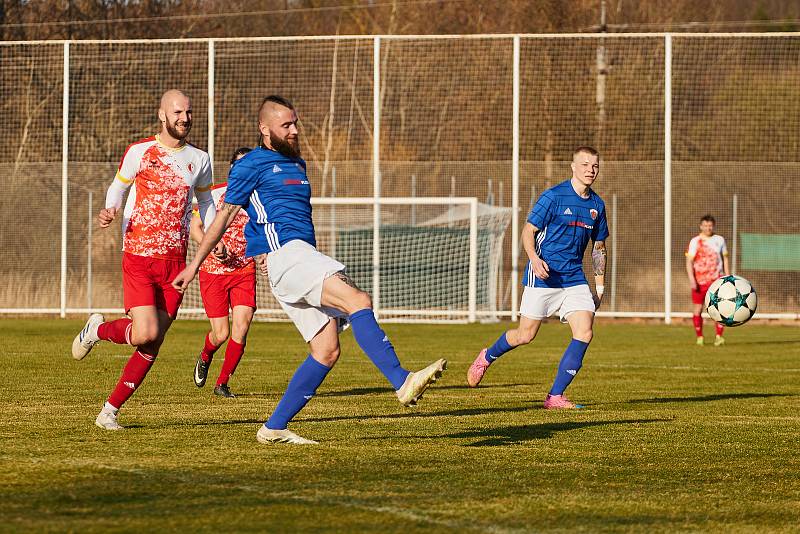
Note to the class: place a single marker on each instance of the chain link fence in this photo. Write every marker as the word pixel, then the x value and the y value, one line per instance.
pixel 489 117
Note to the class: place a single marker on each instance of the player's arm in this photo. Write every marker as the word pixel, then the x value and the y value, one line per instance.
pixel 114 195
pixel 690 270
pixel 726 266
pixel 210 239
pixel 540 267
pixel 196 228
pixel 599 261
pixel 197 233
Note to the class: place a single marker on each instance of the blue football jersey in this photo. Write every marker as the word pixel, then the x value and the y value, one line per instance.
pixel 275 192
pixel 566 222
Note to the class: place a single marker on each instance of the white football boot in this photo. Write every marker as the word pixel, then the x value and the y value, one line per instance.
pixel 87 337
pixel 107 420
pixel 416 383
pixel 267 435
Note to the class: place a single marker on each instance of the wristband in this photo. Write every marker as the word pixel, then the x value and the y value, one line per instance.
pixel 600 290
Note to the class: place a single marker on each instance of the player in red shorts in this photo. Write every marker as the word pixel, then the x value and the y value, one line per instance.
pixel 166 172
pixel 227 283
pixel 706 260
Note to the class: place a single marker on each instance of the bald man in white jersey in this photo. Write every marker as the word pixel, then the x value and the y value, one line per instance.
pixel 165 172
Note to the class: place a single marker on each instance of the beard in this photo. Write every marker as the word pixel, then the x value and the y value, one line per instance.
pixel 287 147
pixel 180 134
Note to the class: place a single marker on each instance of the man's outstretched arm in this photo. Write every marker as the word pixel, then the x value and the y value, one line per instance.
pixel 212 236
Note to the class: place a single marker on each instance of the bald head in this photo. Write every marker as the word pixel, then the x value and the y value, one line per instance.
pixel 171 96
pixel 175 114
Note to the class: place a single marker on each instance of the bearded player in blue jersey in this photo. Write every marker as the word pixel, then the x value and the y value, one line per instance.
pixel 555 236
pixel 314 290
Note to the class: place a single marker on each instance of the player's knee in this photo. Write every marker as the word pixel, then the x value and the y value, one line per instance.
pixel 145 334
pixel 584 334
pixel 221 333
pixel 240 327
pixel 328 356
pixel 361 300
pixel 525 336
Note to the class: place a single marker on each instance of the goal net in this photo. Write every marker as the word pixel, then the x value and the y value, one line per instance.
pixel 421 259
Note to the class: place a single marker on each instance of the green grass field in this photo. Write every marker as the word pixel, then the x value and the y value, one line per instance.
pixel 674 437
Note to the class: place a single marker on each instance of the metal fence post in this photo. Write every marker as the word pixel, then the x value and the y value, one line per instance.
pixel 211 55
pixel 89 254
pixel 668 178
pixel 515 184
pixel 735 232
pixel 64 180
pixel 376 172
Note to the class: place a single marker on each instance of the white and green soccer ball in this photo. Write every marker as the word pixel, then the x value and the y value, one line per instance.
pixel 731 300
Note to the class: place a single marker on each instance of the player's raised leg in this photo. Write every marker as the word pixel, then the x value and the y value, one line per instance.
pixel 241 317
pixel 511 339
pixel 152 326
pixel 339 291
pixel 580 323
pixel 324 352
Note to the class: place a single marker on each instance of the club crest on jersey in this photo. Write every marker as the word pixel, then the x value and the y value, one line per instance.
pixel 191 168
pixel 593 213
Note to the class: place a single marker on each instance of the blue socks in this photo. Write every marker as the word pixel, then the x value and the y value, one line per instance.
pixel 301 388
pixel 374 342
pixel 499 348
pixel 570 364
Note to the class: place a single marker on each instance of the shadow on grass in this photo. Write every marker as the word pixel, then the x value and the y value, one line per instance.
pixel 509 435
pixel 762 343
pixel 371 391
pixel 452 413
pixel 708 398
pixel 354 392
pixel 361 417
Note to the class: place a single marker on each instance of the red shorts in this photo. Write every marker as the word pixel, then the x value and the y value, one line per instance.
pixel 221 292
pixel 699 294
pixel 148 282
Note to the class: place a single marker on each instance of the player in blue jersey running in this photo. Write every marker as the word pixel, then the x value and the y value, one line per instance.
pixel 558 229
pixel 314 290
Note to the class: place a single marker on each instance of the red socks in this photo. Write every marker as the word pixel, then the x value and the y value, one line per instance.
pixel 233 355
pixel 132 376
pixel 118 331
pixel 719 328
pixel 698 325
pixel 209 349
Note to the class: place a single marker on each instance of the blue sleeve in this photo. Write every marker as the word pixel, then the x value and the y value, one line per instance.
pixel 542 212
pixel 601 228
pixel 242 181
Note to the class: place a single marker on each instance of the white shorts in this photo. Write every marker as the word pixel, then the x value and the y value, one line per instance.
pixel 296 274
pixel 541 302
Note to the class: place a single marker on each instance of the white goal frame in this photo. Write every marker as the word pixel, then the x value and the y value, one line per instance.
pixel 401 315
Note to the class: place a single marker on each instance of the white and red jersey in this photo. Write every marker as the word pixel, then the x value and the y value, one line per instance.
pixel 159 207
pixel 234 240
pixel 706 254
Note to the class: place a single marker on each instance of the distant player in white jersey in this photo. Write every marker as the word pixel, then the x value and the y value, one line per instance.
pixel 314 290
pixel 165 172
pixel 706 260
pixel 561 224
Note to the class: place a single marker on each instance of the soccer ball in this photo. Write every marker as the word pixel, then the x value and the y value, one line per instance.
pixel 731 301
